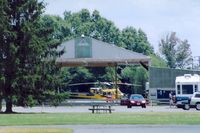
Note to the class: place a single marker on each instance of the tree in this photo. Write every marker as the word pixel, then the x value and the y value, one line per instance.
pixel 3 26
pixel 183 57
pixel 157 61
pixel 60 28
pixel 77 75
pixel 92 25
pixel 28 52
pixel 137 76
pixel 128 77
pixel 177 53
pixel 135 40
pixel 141 79
pixel 167 48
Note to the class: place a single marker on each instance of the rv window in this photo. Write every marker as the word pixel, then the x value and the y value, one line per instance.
pixel 187 89
pixel 178 89
pixel 196 88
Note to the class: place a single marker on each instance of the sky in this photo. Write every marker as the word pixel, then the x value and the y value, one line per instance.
pixel 156 18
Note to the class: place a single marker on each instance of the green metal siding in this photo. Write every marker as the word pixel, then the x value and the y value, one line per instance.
pixel 165 77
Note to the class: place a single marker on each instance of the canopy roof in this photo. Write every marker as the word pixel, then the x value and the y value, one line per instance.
pixel 85 51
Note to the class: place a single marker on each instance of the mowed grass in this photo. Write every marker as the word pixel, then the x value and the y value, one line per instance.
pixel 34 130
pixel 103 118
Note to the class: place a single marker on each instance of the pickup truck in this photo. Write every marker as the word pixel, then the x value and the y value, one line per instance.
pixel 193 102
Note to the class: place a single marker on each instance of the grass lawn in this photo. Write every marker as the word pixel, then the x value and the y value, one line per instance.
pixel 34 130
pixel 103 118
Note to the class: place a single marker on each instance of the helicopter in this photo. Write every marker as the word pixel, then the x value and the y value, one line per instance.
pixel 96 90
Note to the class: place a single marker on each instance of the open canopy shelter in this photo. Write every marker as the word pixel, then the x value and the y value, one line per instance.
pixel 85 51
pixel 89 52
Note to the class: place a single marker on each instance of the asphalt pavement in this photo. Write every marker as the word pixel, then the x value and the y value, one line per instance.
pixel 122 128
pixel 135 129
pixel 65 109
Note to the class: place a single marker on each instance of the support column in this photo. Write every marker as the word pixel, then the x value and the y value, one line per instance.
pixel 116 81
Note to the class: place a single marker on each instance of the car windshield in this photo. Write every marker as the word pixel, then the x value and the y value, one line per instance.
pixel 137 97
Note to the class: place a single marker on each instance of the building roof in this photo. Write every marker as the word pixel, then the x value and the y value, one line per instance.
pixel 85 51
pixel 188 78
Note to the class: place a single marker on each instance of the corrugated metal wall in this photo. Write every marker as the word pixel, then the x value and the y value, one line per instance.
pixel 165 77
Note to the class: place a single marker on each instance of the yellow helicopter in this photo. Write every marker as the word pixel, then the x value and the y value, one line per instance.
pixel 100 90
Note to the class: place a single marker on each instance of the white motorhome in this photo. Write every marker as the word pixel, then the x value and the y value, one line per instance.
pixel 186 85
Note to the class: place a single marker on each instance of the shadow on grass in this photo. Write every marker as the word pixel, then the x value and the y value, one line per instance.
pixel 24 113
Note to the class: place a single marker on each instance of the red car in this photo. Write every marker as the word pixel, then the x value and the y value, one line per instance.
pixel 134 100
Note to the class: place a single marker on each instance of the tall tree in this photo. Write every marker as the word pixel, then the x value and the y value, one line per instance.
pixel 168 50
pixel 183 57
pixel 135 40
pixel 28 54
pixel 60 27
pixel 92 25
pixel 176 52
pixel 3 27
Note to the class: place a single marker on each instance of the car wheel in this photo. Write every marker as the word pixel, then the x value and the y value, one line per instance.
pixel 186 107
pixel 129 106
pixel 143 106
pixel 198 106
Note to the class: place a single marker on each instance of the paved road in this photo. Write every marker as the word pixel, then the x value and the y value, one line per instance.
pixel 63 109
pixel 124 128
pixel 82 105
pixel 136 129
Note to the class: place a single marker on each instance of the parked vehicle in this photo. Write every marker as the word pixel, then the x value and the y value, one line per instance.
pixel 193 102
pixel 134 100
pixel 185 87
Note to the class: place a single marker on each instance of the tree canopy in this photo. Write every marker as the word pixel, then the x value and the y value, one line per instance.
pixel 176 52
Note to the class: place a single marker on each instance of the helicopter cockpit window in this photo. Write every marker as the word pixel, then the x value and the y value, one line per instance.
pixel 104 93
pixel 109 93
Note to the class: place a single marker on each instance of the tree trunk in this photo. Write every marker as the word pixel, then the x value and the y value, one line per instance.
pixel 8 106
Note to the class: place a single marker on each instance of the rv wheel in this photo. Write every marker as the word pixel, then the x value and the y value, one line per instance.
pixel 186 107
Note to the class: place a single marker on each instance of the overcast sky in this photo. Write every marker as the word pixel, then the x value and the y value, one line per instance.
pixel 156 18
